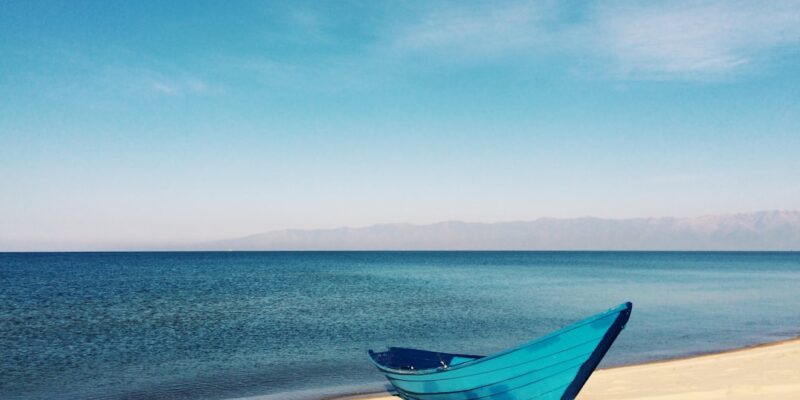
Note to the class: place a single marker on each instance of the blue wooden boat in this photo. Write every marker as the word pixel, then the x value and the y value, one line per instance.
pixel 555 366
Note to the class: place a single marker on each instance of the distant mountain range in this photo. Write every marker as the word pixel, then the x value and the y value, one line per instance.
pixel 766 230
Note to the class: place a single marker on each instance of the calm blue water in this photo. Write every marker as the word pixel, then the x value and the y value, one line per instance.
pixel 295 325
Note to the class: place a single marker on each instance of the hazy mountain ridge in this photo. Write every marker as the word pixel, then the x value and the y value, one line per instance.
pixel 766 230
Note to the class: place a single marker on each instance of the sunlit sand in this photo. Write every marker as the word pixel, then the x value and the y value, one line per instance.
pixel 765 372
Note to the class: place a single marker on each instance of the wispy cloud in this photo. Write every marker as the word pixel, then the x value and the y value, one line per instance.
pixel 680 40
pixel 104 86
pixel 618 40
pixel 172 85
pixel 625 40
pixel 311 50
pixel 112 74
pixel 473 30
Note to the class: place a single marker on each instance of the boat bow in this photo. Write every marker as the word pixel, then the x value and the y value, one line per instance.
pixel 555 366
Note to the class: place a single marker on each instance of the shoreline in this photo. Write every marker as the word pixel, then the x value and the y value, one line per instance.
pixel 769 370
pixel 706 354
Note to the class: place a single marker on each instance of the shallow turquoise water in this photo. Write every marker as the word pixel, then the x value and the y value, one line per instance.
pixel 297 324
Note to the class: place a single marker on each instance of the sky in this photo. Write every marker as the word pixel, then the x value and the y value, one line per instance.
pixel 149 123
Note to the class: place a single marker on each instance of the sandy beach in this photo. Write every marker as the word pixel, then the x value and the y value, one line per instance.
pixel 764 372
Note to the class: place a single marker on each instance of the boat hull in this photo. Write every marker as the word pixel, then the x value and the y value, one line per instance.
pixel 555 366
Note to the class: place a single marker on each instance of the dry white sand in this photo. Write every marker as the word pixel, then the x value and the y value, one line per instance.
pixel 765 372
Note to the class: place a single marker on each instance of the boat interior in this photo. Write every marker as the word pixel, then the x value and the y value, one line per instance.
pixel 412 359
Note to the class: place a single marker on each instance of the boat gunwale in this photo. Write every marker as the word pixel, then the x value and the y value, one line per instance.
pixel 614 310
pixel 415 395
pixel 410 397
pixel 506 367
pixel 510 378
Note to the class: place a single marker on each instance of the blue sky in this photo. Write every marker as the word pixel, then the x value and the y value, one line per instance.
pixel 145 123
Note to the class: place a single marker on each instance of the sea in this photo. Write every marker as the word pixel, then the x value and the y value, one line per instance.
pixel 297 325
